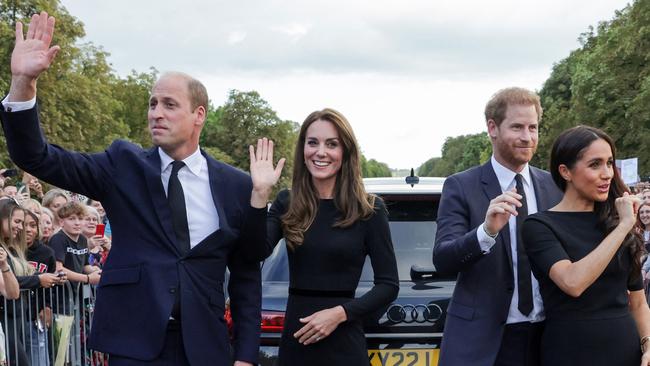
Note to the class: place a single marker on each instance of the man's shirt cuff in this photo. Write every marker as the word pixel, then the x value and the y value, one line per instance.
pixel 18 106
pixel 485 241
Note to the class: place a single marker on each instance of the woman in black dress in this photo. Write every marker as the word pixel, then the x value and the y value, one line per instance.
pixel 586 254
pixel 330 225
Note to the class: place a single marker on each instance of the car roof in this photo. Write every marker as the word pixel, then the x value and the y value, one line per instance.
pixel 398 185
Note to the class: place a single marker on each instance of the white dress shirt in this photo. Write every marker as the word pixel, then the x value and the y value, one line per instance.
pixel 202 216
pixel 506 179
pixel 18 106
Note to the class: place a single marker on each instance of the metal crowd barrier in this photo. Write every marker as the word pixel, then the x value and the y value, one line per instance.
pixel 49 327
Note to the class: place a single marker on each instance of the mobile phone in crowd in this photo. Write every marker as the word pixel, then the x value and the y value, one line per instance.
pixel 99 230
pixel 10 173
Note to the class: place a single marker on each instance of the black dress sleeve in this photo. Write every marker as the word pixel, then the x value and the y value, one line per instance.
pixel 634 280
pixel 274 220
pixel 543 246
pixel 384 265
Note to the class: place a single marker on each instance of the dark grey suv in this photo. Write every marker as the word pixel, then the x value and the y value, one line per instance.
pixel 409 331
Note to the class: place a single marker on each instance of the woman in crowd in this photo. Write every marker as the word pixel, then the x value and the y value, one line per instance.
pixel 12 240
pixel 586 254
pixel 41 257
pixel 47 224
pixel 98 245
pixel 54 199
pixel 330 225
pixel 103 219
pixel 644 224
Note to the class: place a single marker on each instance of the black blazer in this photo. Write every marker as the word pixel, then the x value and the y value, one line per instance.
pixel 479 307
pixel 145 269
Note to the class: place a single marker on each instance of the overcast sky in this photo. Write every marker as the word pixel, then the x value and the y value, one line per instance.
pixel 407 74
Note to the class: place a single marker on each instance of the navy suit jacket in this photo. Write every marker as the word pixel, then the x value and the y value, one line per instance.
pixel 478 310
pixel 145 270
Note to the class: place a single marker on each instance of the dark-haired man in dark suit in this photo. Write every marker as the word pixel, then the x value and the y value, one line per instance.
pixel 495 317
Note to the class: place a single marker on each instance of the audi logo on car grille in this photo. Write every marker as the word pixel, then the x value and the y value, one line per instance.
pixel 419 313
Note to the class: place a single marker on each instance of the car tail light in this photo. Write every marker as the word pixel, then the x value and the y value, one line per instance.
pixel 228 317
pixel 272 321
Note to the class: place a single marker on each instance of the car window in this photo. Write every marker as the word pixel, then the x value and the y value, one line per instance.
pixel 276 266
pixel 412 221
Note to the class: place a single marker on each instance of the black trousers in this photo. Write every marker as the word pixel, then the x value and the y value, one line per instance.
pixel 520 345
pixel 173 353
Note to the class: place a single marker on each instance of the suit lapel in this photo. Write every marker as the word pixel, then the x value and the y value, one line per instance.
pixel 492 189
pixel 218 189
pixel 158 197
pixel 541 191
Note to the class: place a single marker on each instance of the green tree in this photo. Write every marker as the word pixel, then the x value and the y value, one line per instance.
pixel 458 153
pixel 605 84
pixel 133 93
pixel 373 168
pixel 243 119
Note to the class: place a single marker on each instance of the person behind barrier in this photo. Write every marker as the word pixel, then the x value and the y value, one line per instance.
pixel 98 245
pixel 12 218
pixel 586 253
pixel 41 257
pixel 179 219
pixel 102 216
pixel 54 199
pixel 71 247
pixel 47 226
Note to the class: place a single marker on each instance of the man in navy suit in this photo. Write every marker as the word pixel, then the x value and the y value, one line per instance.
pixel 179 219
pixel 495 316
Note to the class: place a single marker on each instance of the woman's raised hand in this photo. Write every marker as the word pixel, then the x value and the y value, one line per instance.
pixel 627 208
pixel 263 173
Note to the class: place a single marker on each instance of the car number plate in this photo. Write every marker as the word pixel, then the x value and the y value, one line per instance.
pixel 403 357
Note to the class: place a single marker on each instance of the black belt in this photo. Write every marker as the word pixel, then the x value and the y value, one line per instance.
pixel 321 293
pixel 525 326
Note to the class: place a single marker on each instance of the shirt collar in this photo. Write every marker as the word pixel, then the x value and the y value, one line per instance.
pixel 193 162
pixel 507 176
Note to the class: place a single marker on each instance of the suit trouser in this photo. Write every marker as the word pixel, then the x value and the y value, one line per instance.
pixel 173 352
pixel 520 345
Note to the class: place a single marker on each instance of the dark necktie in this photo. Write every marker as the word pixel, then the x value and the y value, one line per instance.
pixel 523 266
pixel 176 201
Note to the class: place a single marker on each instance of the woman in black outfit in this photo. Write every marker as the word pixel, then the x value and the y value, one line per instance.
pixel 330 225
pixel 586 254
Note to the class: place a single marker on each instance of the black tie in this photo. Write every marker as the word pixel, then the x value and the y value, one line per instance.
pixel 523 266
pixel 176 201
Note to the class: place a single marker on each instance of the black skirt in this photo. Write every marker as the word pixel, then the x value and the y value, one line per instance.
pixel 345 346
pixel 593 342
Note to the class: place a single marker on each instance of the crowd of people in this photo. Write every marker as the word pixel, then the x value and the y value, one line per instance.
pixel 48 238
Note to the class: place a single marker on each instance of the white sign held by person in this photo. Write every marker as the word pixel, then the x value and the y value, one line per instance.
pixel 628 168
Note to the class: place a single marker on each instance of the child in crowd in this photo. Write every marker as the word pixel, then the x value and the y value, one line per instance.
pixel 71 247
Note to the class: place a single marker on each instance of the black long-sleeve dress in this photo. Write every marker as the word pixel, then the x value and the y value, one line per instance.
pixel 597 327
pixel 324 272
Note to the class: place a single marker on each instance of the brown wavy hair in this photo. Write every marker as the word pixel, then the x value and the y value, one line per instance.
pixel 350 197
pixel 568 148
